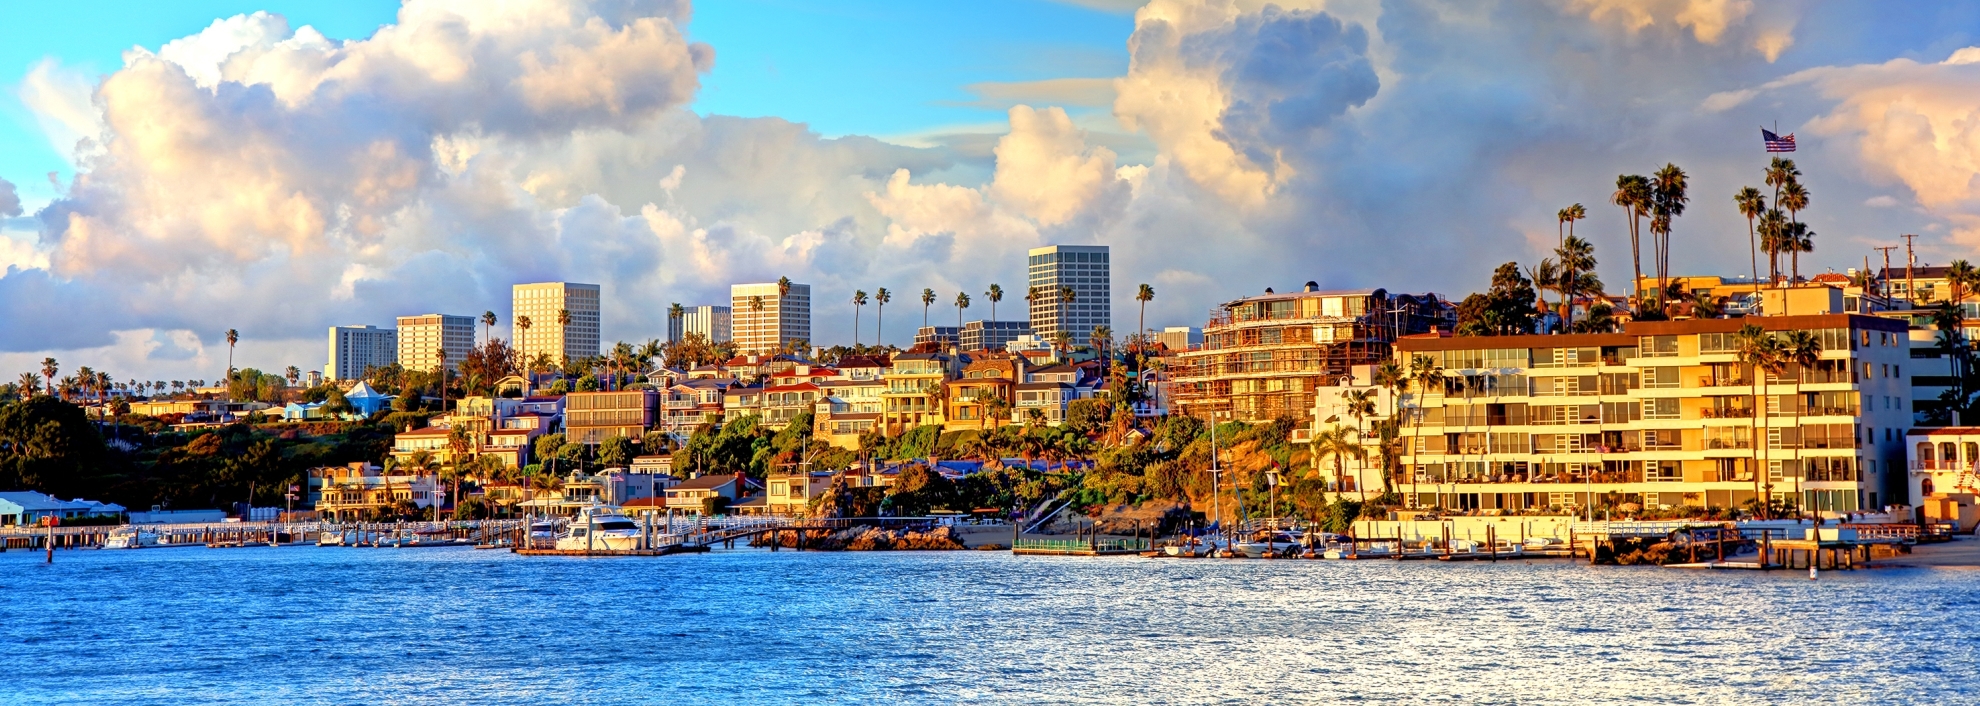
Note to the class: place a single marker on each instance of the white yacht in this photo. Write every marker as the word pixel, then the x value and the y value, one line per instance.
pixel 599 527
pixel 130 537
pixel 1285 543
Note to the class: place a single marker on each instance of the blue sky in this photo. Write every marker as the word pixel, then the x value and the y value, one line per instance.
pixel 872 67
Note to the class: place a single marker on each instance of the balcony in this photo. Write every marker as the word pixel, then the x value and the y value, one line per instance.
pixel 1726 444
pixel 1710 381
pixel 1939 465
pixel 1725 413
pixel 1560 478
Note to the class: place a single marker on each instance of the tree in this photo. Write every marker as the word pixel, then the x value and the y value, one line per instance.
pixel 232 338
pixel 994 294
pixel 1507 309
pixel 962 302
pixel 858 300
pixel 1668 199
pixel 1794 199
pixel 1577 276
pixel 1773 233
pixel 48 370
pixel 783 287
pixel 927 300
pixel 1802 349
pixel 880 299
pixel 1425 374
pixel 1751 204
pixel 1361 405
pixel 1144 294
pixel 1339 443
pixel 522 339
pixel 615 451
pixel 29 383
pixel 756 319
pixel 1101 339
pixel 1547 275
pixel 1759 352
pixel 1633 194
pixel 488 325
pixel 1799 239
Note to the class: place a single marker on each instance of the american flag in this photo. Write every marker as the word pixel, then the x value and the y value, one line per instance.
pixel 1777 143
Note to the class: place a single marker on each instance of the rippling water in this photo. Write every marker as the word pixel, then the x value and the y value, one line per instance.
pixel 367 625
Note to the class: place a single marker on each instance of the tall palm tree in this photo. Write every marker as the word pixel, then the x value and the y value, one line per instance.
pixel 994 294
pixel 487 326
pixel 440 355
pixel 29 383
pixel 783 287
pixel 1425 374
pixel 1066 297
pixel 1773 233
pixel 1339 443
pixel 1032 298
pixel 880 299
pixel 756 317
pixel 1751 204
pixel 1801 349
pixel 522 338
pixel 927 300
pixel 676 316
pixel 1962 279
pixel 858 300
pixel 1547 276
pixel 1669 197
pixel 293 375
pixel 1101 339
pixel 1577 262
pixel 48 370
pixel 232 338
pixel 1800 239
pixel 1793 199
pixel 1143 294
pixel 1633 194
pixel 962 302
pixel 1759 352
pixel 1361 405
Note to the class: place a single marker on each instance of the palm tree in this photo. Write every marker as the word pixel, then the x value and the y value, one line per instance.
pixel 962 302
pixel 1751 204
pixel 858 300
pixel 994 294
pixel 1101 338
pixel 927 300
pixel 1066 297
pixel 1962 279
pixel 29 383
pixel 756 317
pixel 1546 275
pixel 1802 349
pixel 1758 352
pixel 1793 199
pixel 488 326
pixel 440 355
pixel 783 287
pixel 1799 240
pixel 1633 194
pixel 1577 262
pixel 1339 443
pixel 1669 198
pixel 1773 230
pixel 522 331
pixel 293 375
pixel 48 370
pixel 1425 374
pixel 232 338
pixel 880 299
pixel 1143 294
pixel 1361 405
pixel 1032 299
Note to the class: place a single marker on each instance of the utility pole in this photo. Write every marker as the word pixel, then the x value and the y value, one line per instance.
pixel 1910 271
pixel 1885 280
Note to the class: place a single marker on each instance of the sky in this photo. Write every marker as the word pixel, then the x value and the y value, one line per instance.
pixel 173 170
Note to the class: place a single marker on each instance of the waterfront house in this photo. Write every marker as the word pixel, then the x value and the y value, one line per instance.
pixel 28 507
pixel 783 403
pixel 360 490
pixel 1942 464
pixel 986 383
pixel 792 493
pixel 914 386
pixel 691 494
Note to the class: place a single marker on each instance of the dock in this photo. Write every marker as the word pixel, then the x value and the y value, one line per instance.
pixel 1079 547
pixel 662 551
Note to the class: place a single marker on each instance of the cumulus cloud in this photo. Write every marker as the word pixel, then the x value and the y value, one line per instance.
pixel 10 200
pixel 263 177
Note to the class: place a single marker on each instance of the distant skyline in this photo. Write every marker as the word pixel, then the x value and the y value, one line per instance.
pixel 330 164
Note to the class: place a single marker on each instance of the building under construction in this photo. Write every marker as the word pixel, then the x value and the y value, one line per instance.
pixel 1267 356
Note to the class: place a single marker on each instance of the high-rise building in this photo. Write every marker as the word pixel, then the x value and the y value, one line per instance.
pixel 712 322
pixel 1180 338
pixel 548 334
pixel 1085 270
pixel 766 319
pixel 422 337
pixel 354 348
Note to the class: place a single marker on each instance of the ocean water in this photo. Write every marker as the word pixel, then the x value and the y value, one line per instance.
pixel 310 625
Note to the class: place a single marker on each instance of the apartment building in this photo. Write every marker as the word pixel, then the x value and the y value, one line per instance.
pixel 767 318
pixel 1264 357
pixel 992 335
pixel 784 403
pixel 1661 415
pixel 690 403
pixel 422 337
pixel 943 335
pixel 1087 271
pixel 593 417
pixel 1180 338
pixel 563 320
pixel 712 322
pixel 355 348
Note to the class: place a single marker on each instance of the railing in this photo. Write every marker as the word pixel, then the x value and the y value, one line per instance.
pixel 1725 413
pixel 1722 444
pixel 1938 465
pixel 1559 479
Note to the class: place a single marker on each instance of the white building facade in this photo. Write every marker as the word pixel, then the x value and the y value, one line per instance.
pixel 354 348
pixel 765 318
pixel 422 337
pixel 1086 270
pixel 548 334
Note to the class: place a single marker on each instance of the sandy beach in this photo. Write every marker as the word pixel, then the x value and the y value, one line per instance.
pixel 1961 553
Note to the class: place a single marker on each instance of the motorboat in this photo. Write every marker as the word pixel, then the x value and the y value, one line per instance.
pixel 599 527
pixel 130 537
pixel 1286 543
pixel 330 539
pixel 1191 547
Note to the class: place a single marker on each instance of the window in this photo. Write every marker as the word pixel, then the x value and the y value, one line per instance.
pixel 1718 343
pixel 1658 346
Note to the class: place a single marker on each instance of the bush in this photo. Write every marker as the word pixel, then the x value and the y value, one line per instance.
pixel 713 506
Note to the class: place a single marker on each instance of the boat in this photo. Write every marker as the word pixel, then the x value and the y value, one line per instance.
pixel 599 527
pixel 330 539
pixel 1284 543
pixel 129 537
pixel 1191 547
